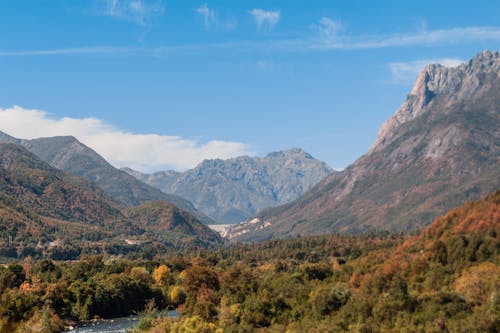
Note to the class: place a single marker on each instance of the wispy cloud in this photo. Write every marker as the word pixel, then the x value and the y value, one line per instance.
pixel 208 15
pixel 265 19
pixel 425 38
pixel 265 65
pixel 406 72
pixel 329 36
pixel 329 31
pixel 140 12
pixel 145 152
pixel 212 21
pixel 96 50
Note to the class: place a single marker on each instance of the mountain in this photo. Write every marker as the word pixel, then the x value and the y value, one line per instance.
pixel 46 191
pixel 440 149
pixel 71 156
pixel 164 220
pixel 232 190
pixel 45 211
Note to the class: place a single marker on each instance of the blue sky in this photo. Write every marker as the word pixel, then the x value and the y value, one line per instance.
pixel 163 84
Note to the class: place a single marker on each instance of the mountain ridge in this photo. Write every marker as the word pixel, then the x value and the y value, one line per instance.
pixel 44 212
pixel 231 190
pixel 440 149
pixel 73 157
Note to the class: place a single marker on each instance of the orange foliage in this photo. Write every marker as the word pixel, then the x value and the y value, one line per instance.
pixel 33 287
pixel 470 217
pixel 354 280
pixel 364 280
pixel 391 268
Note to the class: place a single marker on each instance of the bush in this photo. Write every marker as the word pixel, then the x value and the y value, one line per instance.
pixel 324 300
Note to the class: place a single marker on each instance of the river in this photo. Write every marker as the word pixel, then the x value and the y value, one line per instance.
pixel 115 325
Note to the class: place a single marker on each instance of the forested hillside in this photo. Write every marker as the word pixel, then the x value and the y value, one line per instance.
pixel 443 279
pixel 47 213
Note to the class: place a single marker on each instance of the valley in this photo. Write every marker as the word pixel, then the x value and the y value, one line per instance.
pixel 184 167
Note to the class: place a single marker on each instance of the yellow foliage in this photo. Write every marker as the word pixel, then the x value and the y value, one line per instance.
pixel 235 309
pixel 195 324
pixel 177 295
pixel 477 283
pixel 181 276
pixel 162 275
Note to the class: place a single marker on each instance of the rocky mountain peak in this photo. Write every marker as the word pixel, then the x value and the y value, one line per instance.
pixel 232 190
pixel 485 61
pixel 439 149
pixel 293 152
pixel 463 81
pixel 210 163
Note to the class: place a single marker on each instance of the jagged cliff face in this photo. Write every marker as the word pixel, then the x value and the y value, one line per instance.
pixel 441 148
pixel 232 190
pixel 458 84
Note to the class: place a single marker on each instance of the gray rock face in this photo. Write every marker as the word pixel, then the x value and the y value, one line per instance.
pixel 71 156
pixel 440 149
pixel 458 84
pixel 232 190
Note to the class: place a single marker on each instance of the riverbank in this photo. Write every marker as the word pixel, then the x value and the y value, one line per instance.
pixel 113 325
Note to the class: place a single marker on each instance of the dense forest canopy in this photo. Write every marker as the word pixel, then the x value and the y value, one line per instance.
pixel 444 279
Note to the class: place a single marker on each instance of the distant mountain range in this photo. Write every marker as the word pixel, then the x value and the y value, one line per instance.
pixel 232 190
pixel 71 156
pixel 46 212
pixel 440 149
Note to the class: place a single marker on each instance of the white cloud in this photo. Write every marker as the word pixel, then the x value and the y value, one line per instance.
pixel 453 36
pixel 329 36
pixel 144 152
pixel 71 51
pixel 265 19
pixel 406 72
pixel 211 19
pixel 138 11
pixel 329 30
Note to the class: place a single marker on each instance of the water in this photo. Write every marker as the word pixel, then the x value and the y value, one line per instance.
pixel 116 325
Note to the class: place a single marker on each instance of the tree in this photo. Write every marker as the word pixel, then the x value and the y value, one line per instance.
pixel 177 296
pixel 479 282
pixel 162 276
pixel 206 304
pixel 439 253
pixel 325 300
pixel 18 275
pixel 195 324
pixel 198 277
